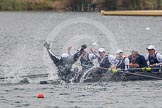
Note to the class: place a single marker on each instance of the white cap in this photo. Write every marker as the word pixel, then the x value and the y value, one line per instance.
pixel 119 51
pixel 151 47
pixel 64 55
pixel 101 50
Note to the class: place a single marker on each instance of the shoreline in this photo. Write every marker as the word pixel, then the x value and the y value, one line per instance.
pixel 77 5
pixel 100 11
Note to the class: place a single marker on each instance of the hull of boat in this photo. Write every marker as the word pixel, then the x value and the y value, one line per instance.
pixel 124 76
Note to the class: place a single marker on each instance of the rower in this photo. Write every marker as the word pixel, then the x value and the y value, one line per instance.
pixel 153 57
pixel 121 62
pixel 64 64
pixel 86 60
pixel 105 61
pixel 137 60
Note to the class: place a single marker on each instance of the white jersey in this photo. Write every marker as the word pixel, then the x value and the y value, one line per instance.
pixel 94 58
pixel 126 62
pixel 111 58
pixel 158 56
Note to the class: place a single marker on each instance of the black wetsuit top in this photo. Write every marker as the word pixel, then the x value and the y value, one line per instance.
pixel 140 60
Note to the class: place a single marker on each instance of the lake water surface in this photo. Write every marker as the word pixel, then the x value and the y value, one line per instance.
pixel 22 35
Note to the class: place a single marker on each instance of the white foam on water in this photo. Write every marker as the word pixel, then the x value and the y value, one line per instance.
pixel 85 76
pixel 51 68
pixel 127 48
pixel 17 69
pixel 109 35
pixel 77 40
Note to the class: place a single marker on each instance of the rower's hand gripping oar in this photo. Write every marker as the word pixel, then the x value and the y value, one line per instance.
pixel 157 64
pixel 145 69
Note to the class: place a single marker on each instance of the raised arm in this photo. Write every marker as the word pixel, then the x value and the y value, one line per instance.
pixel 159 57
pixel 54 58
pixel 79 52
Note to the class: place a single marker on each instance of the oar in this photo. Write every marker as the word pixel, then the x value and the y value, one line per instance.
pixel 141 75
pixel 147 69
pixel 29 76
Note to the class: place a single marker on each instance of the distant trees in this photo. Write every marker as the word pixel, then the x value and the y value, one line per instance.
pixel 131 4
pixel 110 4
pixel 20 5
pixel 159 4
pixel 80 5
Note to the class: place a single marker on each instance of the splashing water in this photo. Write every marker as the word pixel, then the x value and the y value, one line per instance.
pixel 52 75
pixel 77 39
pixel 17 71
pixel 86 74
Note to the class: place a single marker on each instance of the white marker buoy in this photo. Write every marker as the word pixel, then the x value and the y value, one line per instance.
pixel 95 44
pixel 147 28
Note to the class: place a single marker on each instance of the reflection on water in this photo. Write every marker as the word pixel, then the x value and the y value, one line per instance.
pixel 22 35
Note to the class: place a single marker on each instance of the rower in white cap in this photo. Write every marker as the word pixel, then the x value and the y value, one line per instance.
pixel 121 62
pixel 105 61
pixel 153 57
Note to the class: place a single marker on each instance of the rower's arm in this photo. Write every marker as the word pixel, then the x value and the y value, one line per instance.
pixel 54 58
pixel 144 62
pixel 79 52
pixel 111 59
pixel 69 50
pixel 94 53
pixel 159 57
pixel 77 55
pixel 126 63
pixel 146 57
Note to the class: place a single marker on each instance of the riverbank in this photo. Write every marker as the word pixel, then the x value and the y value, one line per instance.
pixel 17 5
pixel 79 5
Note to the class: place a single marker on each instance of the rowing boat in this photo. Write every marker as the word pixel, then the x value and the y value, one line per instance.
pixel 133 13
pixel 119 76
pixel 124 76
pixel 137 74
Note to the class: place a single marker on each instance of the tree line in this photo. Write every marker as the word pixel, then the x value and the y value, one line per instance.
pixel 118 4
pixel 80 5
